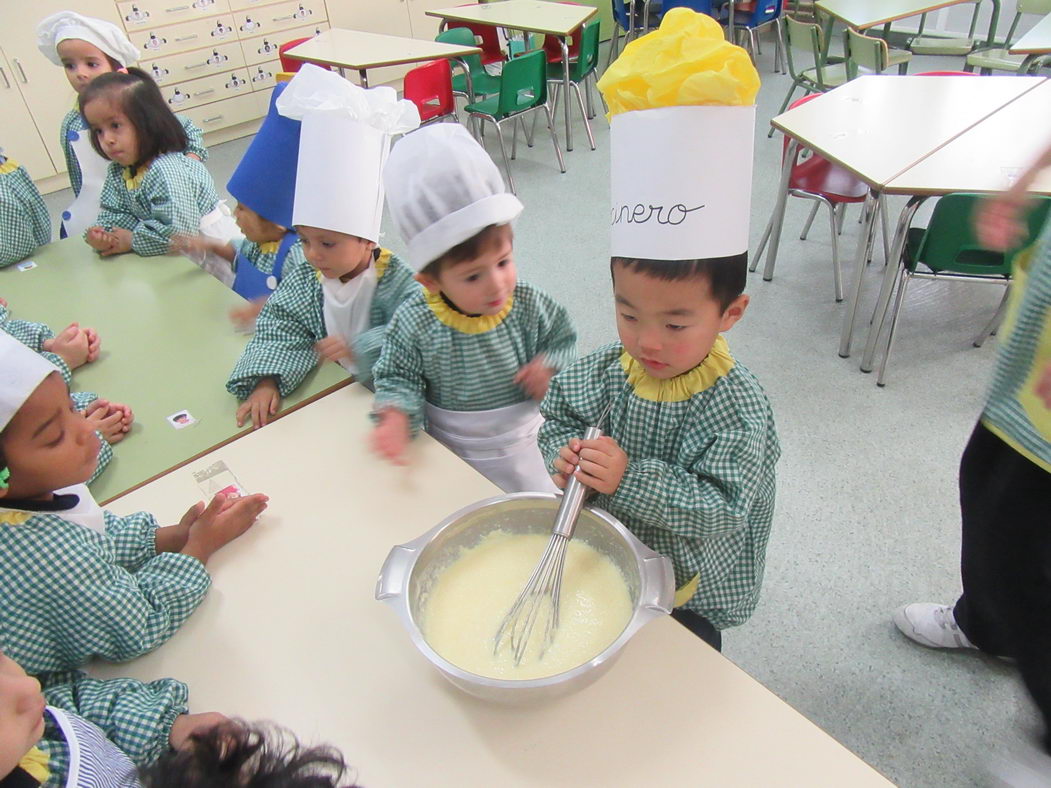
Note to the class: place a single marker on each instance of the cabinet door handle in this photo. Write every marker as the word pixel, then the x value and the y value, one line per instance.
pixel 7 82
pixel 21 72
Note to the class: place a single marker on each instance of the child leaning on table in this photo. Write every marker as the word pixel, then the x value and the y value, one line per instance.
pixel 25 224
pixel 76 581
pixel 689 447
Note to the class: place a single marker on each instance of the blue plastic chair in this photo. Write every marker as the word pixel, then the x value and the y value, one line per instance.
pixel 763 13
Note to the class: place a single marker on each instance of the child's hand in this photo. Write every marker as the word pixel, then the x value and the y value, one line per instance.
pixel 94 344
pixel 261 404
pixel 72 344
pixel 334 349
pixel 391 436
pixel 120 243
pixel 998 222
pixel 112 419
pixel 186 725
pixel 598 464
pixel 221 522
pixel 243 317
pixel 98 239
pixel 534 377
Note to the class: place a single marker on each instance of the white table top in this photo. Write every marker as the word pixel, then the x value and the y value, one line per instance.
pixel 879 126
pixel 357 50
pixel 862 14
pixel 1037 41
pixel 990 156
pixel 534 16
pixel 291 632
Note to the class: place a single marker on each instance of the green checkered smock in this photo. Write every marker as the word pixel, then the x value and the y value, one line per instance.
pixel 33 335
pixel 426 360
pixel 25 225
pixel 70 593
pixel 265 261
pixel 292 322
pixel 175 192
pixel 135 716
pixel 699 486
pixel 73 125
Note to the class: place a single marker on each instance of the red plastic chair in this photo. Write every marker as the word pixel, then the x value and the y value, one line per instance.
pixel 488 38
pixel 553 45
pixel 430 88
pixel 290 64
pixel 815 178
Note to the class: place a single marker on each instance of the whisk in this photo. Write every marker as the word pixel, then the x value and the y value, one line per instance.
pixel 542 590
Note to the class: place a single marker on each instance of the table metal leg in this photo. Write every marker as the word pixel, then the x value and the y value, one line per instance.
pixel 565 89
pixel 859 272
pixel 778 216
pixel 363 77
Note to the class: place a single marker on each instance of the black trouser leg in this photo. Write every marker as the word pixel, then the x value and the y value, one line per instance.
pixel 700 626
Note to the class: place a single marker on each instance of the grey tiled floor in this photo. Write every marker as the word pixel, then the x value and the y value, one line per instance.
pixel 867 514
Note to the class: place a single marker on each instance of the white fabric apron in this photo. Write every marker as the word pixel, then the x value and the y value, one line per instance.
pixel 500 444
pixel 83 212
pixel 87 512
pixel 219 224
pixel 94 761
pixel 346 308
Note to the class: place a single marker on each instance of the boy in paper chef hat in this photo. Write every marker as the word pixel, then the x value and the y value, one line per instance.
pixel 687 460
pixel 338 307
pixel 86 47
pixel 78 582
pixel 473 353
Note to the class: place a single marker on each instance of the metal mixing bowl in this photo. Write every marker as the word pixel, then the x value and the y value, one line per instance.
pixel 411 570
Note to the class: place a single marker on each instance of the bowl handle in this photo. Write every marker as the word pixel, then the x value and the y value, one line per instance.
pixel 394 576
pixel 658 585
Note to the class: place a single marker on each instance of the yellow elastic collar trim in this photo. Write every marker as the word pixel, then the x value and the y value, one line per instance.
pixel 717 364
pixel 8 166
pixel 381 263
pixel 464 323
pixel 686 592
pixel 14 516
pixel 133 181
pixel 34 763
pixel 269 247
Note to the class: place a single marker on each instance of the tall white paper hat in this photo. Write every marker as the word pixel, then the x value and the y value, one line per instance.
pixel 64 25
pixel 343 145
pixel 444 189
pixel 21 371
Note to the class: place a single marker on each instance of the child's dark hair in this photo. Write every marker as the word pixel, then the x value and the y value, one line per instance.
pixel 465 250
pixel 138 96
pixel 726 275
pixel 237 753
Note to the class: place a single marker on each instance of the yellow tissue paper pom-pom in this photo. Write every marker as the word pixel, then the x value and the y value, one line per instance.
pixel 685 62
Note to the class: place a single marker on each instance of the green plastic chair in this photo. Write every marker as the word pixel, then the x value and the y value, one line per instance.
pixel 808 37
pixel 523 89
pixel 475 78
pixel 947 249
pixel 583 70
pixel 955 45
pixel 873 54
pixel 991 59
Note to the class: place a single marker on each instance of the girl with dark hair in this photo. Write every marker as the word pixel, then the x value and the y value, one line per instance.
pixel 152 191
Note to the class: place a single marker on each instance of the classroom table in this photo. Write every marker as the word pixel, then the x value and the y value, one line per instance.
pixel 1033 44
pixel 291 632
pixel 863 14
pixel 988 157
pixel 361 51
pixel 530 16
pixel 167 345
pixel 877 127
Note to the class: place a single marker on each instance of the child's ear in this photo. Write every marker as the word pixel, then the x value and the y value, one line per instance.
pixel 429 282
pixel 734 312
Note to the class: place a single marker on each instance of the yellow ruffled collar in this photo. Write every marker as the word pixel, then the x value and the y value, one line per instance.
pixel 8 165
pixel 269 247
pixel 35 763
pixel 132 182
pixel 717 364
pixel 14 516
pixel 464 323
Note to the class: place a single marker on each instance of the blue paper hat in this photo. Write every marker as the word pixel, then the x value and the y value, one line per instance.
pixel 265 179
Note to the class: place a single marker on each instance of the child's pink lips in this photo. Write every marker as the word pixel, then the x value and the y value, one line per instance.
pixel 655 364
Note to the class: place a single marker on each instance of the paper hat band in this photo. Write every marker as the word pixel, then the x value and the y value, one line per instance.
pixel 692 198
pixel 341 190
pixel 265 178
pixel 21 371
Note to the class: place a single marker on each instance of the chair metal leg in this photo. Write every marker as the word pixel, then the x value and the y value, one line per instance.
pixel 998 317
pixel 810 221
pixel 514 136
pixel 881 206
pixel 584 112
pixel 503 153
pixel 588 94
pixel 841 215
pixel 898 301
pixel 531 131
pixel 837 274
pixel 784 104
pixel 762 245
pixel 778 215
pixel 555 93
pixel 554 137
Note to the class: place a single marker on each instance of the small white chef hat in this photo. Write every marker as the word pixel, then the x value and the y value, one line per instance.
pixel 98 32
pixel 444 189
pixel 343 145
pixel 21 371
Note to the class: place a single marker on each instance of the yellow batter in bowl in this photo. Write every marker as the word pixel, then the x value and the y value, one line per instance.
pixel 472 595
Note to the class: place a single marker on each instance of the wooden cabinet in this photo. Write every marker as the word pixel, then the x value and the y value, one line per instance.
pixel 21 140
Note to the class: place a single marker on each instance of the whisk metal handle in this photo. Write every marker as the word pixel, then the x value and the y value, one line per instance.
pixel 572 498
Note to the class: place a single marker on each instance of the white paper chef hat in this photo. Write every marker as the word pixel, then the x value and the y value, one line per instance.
pixel 343 145
pixel 21 371
pixel 98 32
pixel 444 189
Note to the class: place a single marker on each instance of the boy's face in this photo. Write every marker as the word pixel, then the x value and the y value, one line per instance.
pixel 116 136
pixel 336 255
pixel 82 62
pixel 21 714
pixel 480 286
pixel 669 327
pixel 48 445
pixel 255 227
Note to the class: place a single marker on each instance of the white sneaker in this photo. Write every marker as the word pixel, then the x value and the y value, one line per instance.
pixel 931 625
